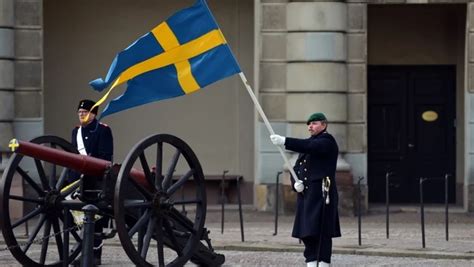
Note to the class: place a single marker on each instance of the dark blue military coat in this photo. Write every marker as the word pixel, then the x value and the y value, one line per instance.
pixel 97 138
pixel 317 160
pixel 99 143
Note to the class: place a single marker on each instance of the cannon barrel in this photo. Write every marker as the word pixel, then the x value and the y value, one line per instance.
pixel 84 164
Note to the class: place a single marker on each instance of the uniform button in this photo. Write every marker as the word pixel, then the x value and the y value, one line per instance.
pixel 305 169
pixel 299 172
pixel 306 178
pixel 304 161
pixel 301 163
pixel 306 187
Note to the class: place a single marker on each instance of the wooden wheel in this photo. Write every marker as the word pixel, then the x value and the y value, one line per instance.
pixel 150 209
pixel 44 215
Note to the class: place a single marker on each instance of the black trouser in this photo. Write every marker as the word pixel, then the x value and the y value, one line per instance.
pixel 311 247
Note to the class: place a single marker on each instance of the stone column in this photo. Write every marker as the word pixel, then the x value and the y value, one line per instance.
pixel 469 96
pixel 28 68
pixel 6 78
pixel 317 77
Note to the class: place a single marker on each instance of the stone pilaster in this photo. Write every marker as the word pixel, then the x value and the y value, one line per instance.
pixel 28 68
pixel 357 95
pixel 469 161
pixel 7 54
pixel 271 19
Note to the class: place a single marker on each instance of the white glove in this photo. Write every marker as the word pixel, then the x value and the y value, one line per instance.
pixel 298 186
pixel 277 140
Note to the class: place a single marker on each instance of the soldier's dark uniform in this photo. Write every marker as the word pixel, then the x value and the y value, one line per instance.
pixel 98 142
pixel 97 138
pixel 317 160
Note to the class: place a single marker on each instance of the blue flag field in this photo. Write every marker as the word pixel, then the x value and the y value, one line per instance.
pixel 181 55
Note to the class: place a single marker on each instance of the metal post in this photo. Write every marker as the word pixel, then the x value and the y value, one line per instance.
pixel 277 192
pixel 27 232
pixel 141 231
pixel 66 237
pixel 446 176
pixel 359 210
pixel 422 212
pixel 88 236
pixel 223 199
pixel 183 209
pixel 240 209
pixel 387 201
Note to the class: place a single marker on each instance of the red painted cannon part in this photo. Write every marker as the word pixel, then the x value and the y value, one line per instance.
pixel 80 163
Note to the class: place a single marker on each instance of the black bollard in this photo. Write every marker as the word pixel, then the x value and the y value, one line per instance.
pixel 88 236
pixel 446 204
pixel 387 202
pixel 27 232
pixel 66 237
pixel 240 209
pixel 359 211
pixel 277 192
pixel 66 225
pixel 422 212
pixel 183 208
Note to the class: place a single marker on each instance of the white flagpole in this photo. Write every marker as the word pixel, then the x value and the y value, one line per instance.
pixel 267 123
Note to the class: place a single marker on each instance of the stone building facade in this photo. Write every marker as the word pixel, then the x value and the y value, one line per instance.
pixel 301 57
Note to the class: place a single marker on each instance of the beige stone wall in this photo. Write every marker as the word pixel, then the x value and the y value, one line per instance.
pixel 217 122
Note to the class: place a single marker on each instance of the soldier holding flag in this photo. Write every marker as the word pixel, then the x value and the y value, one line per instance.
pixel 316 219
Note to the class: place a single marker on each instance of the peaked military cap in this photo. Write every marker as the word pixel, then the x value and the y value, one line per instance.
pixel 87 105
pixel 318 116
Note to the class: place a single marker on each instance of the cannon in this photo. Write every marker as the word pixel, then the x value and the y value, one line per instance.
pixel 142 196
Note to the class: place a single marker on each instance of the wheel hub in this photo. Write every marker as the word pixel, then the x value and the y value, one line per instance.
pixel 51 200
pixel 161 202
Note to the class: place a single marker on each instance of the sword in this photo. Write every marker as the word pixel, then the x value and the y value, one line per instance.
pixel 325 184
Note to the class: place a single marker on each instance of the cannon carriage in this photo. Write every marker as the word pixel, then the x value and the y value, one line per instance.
pixel 141 195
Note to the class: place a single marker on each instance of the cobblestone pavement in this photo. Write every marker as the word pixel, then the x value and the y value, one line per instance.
pixel 405 234
pixel 263 248
pixel 115 256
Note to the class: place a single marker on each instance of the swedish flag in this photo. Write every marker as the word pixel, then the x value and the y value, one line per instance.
pixel 179 56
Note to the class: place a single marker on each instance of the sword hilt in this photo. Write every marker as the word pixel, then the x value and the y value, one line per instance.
pixel 326 185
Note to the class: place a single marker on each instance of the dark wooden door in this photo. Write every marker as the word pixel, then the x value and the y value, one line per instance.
pixel 411 131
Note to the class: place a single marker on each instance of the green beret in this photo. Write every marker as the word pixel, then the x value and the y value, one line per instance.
pixel 316 117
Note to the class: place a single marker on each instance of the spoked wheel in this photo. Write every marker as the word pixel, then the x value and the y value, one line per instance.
pixel 41 201
pixel 148 203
